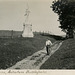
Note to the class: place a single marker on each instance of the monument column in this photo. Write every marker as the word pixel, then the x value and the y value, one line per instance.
pixel 27 27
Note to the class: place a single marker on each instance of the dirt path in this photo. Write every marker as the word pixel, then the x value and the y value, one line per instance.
pixel 37 59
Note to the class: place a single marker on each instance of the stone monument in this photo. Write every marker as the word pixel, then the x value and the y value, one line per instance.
pixel 27 27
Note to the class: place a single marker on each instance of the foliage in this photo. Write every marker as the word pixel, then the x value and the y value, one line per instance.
pixel 66 11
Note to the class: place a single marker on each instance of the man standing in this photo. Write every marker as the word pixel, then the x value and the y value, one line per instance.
pixel 48 45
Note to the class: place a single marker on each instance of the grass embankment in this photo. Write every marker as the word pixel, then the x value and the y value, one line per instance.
pixel 16 49
pixel 64 58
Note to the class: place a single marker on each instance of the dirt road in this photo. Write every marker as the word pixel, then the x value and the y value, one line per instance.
pixel 37 59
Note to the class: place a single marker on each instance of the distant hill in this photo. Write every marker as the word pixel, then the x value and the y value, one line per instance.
pixel 57 37
pixel 14 34
pixel 8 33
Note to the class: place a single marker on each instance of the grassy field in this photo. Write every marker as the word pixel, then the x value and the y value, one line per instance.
pixel 64 58
pixel 16 49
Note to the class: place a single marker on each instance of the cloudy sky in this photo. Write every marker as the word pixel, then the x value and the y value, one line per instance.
pixel 41 15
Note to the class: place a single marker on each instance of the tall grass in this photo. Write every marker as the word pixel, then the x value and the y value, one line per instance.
pixel 16 49
pixel 64 58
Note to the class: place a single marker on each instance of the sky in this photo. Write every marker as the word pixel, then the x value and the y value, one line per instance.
pixel 41 15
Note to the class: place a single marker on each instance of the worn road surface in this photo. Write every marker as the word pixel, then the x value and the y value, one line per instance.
pixel 37 59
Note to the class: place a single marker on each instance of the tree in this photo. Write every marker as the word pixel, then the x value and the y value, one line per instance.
pixel 66 12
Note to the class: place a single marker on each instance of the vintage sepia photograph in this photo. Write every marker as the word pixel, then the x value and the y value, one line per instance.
pixel 37 34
